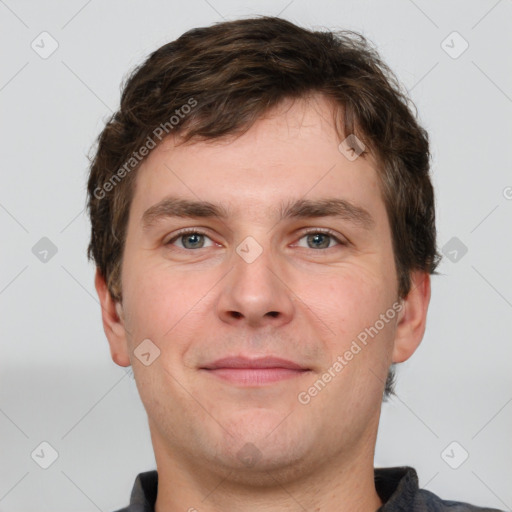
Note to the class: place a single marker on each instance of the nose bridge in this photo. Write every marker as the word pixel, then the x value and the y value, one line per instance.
pixel 254 293
pixel 255 262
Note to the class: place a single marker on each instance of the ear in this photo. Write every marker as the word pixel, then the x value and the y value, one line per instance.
pixel 113 322
pixel 412 318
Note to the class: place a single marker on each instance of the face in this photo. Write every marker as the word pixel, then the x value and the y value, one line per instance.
pixel 292 259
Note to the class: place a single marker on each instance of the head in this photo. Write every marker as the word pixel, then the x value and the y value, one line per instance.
pixel 253 118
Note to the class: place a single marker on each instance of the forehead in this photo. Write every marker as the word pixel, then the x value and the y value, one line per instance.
pixel 291 152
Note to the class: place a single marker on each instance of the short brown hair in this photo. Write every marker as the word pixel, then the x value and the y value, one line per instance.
pixel 232 73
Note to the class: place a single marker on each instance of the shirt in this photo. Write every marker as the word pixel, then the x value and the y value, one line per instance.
pixel 397 487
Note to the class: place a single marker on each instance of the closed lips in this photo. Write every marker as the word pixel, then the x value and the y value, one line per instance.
pixel 259 363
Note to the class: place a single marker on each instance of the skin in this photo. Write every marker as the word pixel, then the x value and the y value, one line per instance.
pixel 200 304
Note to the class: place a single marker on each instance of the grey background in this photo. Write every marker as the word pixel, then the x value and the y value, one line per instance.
pixel 57 381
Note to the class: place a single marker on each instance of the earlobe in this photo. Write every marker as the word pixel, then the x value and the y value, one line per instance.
pixel 413 317
pixel 113 322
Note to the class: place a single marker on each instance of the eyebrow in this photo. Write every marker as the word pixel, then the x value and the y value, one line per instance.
pixel 170 207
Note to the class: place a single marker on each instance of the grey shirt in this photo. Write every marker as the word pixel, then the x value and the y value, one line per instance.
pixel 397 487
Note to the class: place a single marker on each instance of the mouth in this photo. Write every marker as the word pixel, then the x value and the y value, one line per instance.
pixel 254 372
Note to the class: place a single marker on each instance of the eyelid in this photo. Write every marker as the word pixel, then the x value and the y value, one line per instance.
pixel 326 231
pixel 200 231
pixel 186 231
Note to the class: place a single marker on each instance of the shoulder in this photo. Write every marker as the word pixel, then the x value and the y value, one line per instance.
pixel 428 501
pixel 144 492
pixel 399 490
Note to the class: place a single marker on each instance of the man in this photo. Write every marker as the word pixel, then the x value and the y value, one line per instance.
pixel 264 233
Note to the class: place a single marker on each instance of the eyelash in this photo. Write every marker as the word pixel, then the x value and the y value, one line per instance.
pixel 187 231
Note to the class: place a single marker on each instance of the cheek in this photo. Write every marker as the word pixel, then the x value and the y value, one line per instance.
pixel 348 297
pixel 350 303
pixel 150 300
pixel 162 302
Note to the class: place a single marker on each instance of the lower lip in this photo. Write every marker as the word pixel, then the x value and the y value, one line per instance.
pixel 255 376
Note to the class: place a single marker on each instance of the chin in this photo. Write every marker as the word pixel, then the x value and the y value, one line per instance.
pixel 262 442
pixel 264 468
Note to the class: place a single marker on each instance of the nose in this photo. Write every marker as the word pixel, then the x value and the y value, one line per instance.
pixel 256 292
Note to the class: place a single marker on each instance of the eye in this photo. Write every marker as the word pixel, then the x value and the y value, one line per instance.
pixel 195 239
pixel 321 239
pixel 190 239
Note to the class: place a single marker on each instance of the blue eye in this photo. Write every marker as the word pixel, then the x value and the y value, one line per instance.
pixel 195 239
pixel 320 239
pixel 191 239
